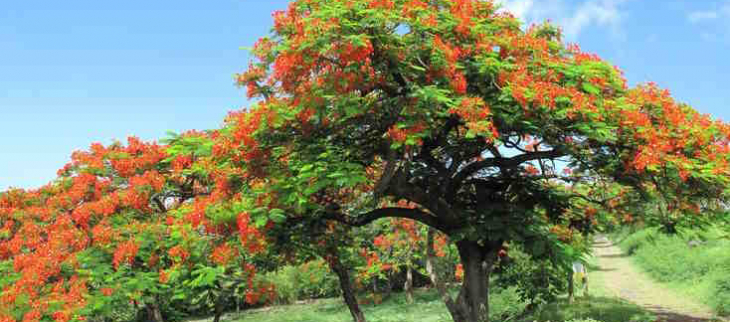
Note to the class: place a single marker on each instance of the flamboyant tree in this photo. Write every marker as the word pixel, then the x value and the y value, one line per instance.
pixel 489 133
pixel 451 106
pixel 123 223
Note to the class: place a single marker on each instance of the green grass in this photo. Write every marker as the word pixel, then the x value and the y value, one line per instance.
pixel 429 308
pixel 701 272
pixel 600 306
pixel 597 308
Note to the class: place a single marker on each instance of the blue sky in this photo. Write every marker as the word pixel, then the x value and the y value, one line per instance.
pixel 80 71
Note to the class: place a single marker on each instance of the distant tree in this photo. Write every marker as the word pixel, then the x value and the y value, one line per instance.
pixel 122 227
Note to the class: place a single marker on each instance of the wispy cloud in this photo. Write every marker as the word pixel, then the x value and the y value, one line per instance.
pixel 716 20
pixel 698 16
pixel 573 18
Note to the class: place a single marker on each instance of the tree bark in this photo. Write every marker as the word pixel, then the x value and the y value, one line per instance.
pixel 388 285
pixel 472 303
pixel 474 295
pixel 408 287
pixel 347 292
pixel 154 313
pixel 220 307
pixel 571 286
pixel 456 313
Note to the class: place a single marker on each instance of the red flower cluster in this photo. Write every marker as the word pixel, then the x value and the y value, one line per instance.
pixel 125 253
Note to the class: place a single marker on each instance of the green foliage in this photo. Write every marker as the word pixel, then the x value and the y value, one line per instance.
pixel 311 280
pixel 538 280
pixel 695 262
pixel 721 297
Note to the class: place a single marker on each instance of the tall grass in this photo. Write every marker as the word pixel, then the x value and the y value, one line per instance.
pixel 696 263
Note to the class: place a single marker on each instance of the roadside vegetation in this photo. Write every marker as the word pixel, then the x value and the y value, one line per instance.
pixel 695 263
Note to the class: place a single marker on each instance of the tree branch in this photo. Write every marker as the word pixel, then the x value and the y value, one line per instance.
pixel 369 217
pixel 515 161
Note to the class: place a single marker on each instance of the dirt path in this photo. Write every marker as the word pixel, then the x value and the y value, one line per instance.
pixel 622 279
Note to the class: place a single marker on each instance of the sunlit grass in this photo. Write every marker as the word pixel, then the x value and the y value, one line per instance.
pixel 429 308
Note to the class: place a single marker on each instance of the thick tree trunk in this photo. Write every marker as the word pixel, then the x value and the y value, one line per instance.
pixel 408 287
pixel 347 292
pixel 154 313
pixel 219 308
pixel 472 303
pixel 474 296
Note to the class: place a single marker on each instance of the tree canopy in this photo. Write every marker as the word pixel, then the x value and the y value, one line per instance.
pixel 445 112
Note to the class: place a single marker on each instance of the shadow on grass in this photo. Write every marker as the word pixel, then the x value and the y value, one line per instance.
pixel 622 255
pixel 675 317
pixel 599 308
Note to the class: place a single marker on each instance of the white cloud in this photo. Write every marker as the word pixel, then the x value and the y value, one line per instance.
pixel 698 16
pixel 573 18
pixel 722 11
pixel 706 36
pixel 716 20
pixel 517 7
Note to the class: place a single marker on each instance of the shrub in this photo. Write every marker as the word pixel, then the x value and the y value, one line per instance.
pixel 538 281
pixel 310 280
pixel 722 297
pixel 505 304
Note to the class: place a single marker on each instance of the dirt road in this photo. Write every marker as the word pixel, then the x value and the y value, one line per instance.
pixel 624 280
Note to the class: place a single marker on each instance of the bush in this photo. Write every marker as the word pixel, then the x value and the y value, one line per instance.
pixel 310 280
pixel 722 296
pixel 505 304
pixel 538 281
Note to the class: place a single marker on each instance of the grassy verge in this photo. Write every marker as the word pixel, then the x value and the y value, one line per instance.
pixel 600 306
pixel 429 308
pixel 695 263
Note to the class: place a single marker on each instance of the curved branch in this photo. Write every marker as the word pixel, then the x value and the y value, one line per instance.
pixel 393 212
pixel 515 161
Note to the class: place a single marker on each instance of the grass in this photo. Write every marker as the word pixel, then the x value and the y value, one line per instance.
pixel 701 272
pixel 600 306
pixel 429 308
pixel 597 308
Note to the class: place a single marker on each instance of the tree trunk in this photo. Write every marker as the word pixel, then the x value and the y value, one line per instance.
pixel 347 293
pixel 154 313
pixel 408 287
pixel 219 307
pixel 474 295
pixel 571 286
pixel 456 314
pixel 472 303
pixel 388 285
